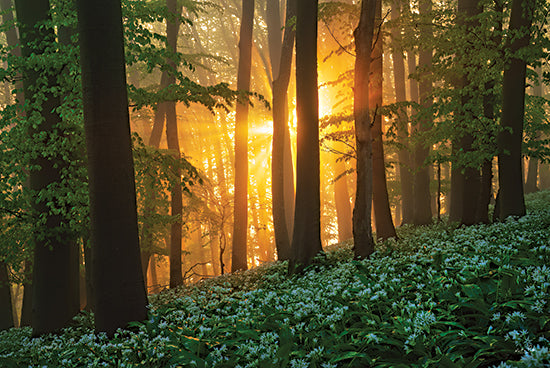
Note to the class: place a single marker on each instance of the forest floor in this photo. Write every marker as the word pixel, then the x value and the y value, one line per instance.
pixel 440 296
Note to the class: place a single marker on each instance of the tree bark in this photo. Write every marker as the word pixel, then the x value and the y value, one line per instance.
pixel 53 295
pixel 405 177
pixel 422 196
pixel 172 139
pixel 240 217
pixel 510 173
pixel 120 295
pixel 281 176
pixel 380 200
pixel 306 240
pixel 362 229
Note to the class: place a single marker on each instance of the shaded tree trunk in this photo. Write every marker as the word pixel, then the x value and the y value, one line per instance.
pixel 380 200
pixel 172 139
pixel 120 295
pixel 362 229
pixel 282 175
pixel 240 217
pixel 510 173
pixel 306 240
pixel 422 196
pixel 405 177
pixel 53 294
pixel 6 310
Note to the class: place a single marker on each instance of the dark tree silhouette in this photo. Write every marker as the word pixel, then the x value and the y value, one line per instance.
pixel 240 218
pixel 54 298
pixel 362 230
pixel 120 295
pixel 306 240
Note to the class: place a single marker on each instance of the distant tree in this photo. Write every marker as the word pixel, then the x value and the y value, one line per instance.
pixel 6 312
pixel 54 298
pixel 362 230
pixel 281 165
pixel 306 239
pixel 510 172
pixel 172 138
pixel 405 177
pixel 240 218
pixel 422 196
pixel 380 200
pixel 120 295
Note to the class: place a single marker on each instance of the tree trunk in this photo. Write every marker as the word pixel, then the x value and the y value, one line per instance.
pixel 240 217
pixel 6 310
pixel 510 173
pixel 362 230
pixel 306 240
pixel 422 196
pixel 120 295
pixel 172 139
pixel 280 175
pixel 405 177
pixel 53 295
pixel 380 200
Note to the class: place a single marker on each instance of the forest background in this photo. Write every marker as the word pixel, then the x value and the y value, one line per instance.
pixel 440 80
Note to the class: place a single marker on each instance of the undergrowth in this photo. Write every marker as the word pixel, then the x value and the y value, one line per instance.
pixel 441 296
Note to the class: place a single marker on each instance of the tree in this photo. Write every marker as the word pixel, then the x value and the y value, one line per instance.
pixel 510 173
pixel 281 161
pixel 172 138
pixel 380 200
pixel 362 230
pixel 422 201
pixel 240 217
pixel 405 177
pixel 120 295
pixel 53 298
pixel 306 239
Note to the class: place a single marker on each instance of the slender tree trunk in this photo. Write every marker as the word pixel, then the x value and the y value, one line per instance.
pixel 533 167
pixel 120 295
pixel 362 230
pixel 306 240
pixel 510 173
pixel 281 176
pixel 422 196
pixel 240 218
pixel 172 138
pixel 405 177
pixel 380 200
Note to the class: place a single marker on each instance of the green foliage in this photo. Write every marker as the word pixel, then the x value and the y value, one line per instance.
pixel 441 296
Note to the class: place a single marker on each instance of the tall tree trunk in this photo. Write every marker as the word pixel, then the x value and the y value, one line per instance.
pixel 240 217
pixel 120 295
pixel 306 240
pixel 53 295
pixel 470 176
pixel 422 196
pixel 405 177
pixel 172 139
pixel 6 310
pixel 281 176
pixel 362 229
pixel 533 167
pixel 510 173
pixel 380 200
